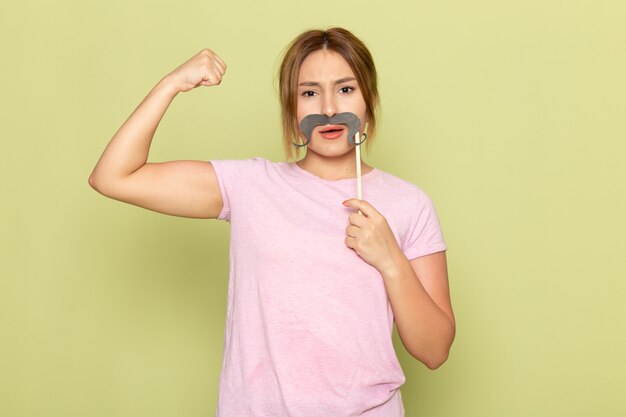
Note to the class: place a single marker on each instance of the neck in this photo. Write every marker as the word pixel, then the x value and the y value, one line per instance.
pixel 333 168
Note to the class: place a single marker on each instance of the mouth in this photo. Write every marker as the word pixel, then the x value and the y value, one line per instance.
pixel 331 131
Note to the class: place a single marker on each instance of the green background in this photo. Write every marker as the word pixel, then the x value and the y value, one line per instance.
pixel 510 115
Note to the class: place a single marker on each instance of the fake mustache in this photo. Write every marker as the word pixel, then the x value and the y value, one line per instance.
pixel 350 119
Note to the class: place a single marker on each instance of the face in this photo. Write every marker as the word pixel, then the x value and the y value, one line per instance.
pixel 327 85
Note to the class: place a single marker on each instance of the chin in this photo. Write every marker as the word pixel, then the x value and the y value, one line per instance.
pixel 331 153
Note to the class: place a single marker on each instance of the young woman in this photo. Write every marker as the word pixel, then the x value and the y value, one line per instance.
pixel 317 277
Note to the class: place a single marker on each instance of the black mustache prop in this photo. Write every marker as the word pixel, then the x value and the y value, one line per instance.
pixel 312 120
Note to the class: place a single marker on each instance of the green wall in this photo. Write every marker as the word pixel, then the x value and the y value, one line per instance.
pixel 510 115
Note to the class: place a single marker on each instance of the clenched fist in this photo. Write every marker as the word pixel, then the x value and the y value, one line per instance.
pixel 204 68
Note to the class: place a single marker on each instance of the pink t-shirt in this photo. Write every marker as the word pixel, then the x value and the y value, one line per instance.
pixel 309 326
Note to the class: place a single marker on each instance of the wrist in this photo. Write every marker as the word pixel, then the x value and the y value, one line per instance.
pixel 168 85
pixel 394 263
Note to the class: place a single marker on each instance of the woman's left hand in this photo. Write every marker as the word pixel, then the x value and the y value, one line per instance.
pixel 370 236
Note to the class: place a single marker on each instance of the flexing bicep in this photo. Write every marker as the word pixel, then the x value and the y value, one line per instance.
pixel 177 188
pixel 432 271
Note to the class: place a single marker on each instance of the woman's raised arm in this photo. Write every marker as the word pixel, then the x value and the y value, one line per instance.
pixel 179 188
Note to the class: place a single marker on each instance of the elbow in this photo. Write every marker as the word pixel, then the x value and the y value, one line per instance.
pixel 93 183
pixel 437 356
pixel 435 362
pixel 440 355
pixel 99 185
pixel 433 359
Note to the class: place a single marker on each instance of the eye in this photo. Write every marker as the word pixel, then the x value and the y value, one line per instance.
pixel 346 90
pixel 308 93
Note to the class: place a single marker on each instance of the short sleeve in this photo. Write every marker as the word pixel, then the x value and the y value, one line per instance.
pixel 232 177
pixel 424 236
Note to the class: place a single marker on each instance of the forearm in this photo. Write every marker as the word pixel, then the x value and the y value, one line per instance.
pixel 128 149
pixel 427 332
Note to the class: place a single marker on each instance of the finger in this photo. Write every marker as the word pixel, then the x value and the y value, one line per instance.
pixel 366 208
pixel 350 242
pixel 221 62
pixel 217 76
pixel 357 219
pixel 211 78
pixel 207 73
pixel 220 67
pixel 352 231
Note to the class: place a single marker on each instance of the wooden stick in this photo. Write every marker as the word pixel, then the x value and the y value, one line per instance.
pixel 358 168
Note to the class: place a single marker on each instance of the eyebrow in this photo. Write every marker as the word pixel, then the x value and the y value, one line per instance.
pixel 316 84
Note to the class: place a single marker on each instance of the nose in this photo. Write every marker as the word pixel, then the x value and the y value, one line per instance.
pixel 329 107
